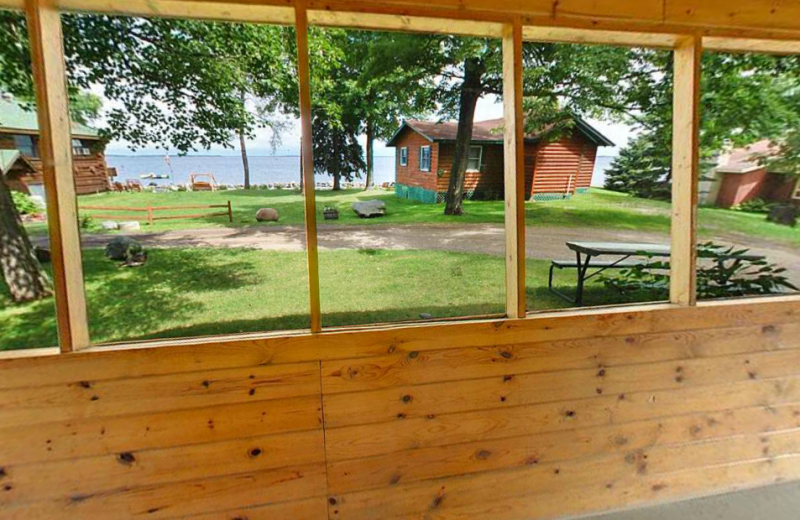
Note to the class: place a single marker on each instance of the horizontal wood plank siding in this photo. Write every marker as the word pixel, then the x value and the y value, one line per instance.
pixel 500 419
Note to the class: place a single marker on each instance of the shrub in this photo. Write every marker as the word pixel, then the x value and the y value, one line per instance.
pixel 723 272
pixel 754 206
pixel 25 203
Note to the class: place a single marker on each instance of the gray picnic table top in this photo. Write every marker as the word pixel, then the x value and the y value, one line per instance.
pixel 618 248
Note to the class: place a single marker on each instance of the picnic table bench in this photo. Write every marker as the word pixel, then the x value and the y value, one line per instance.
pixel 585 252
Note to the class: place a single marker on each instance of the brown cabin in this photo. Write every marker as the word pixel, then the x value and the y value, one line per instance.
pixel 742 176
pixel 554 169
pixel 19 130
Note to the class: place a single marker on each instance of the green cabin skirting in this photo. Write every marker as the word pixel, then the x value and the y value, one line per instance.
pixel 415 193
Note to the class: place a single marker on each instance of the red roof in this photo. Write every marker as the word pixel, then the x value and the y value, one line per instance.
pixel 489 131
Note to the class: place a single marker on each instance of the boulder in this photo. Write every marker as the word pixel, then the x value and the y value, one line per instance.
pixel 370 208
pixel 129 225
pixel 267 215
pixel 785 214
pixel 109 225
pixel 126 250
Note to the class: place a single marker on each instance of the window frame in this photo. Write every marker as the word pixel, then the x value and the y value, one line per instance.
pixel 422 150
pixel 796 190
pixel 404 156
pixel 480 158
pixel 33 145
pixel 683 40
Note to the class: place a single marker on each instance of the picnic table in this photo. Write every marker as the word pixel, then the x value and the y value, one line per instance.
pixel 585 252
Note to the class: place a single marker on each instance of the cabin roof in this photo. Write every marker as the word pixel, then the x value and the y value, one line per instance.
pixel 17 118
pixel 8 158
pixel 489 131
pixel 747 158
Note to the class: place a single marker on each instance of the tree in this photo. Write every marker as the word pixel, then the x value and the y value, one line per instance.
pixel 24 276
pixel 744 98
pixel 558 79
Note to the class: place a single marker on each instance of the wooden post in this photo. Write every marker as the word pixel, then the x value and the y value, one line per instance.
pixel 150 214
pixel 685 159
pixel 55 145
pixel 514 160
pixel 230 213
pixel 303 78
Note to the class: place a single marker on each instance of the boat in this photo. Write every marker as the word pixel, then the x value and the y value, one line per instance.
pixel 152 175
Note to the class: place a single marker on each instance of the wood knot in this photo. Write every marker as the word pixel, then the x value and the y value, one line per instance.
pixel 768 329
pixel 413 354
pixel 3 473
pixel 658 487
pixel 601 372
pixel 85 384
pixel 126 458
pixel 395 479
pixel 569 413
pixel 483 454
pixel 255 452
pixel 332 501
pixel 206 383
pixel 401 416
pixel 506 379
pixel 252 391
pixel 506 354
pixel 407 398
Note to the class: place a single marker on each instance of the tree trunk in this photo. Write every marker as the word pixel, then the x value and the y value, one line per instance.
pixel 336 182
pixel 337 173
pixel 24 276
pixel 370 155
pixel 471 90
pixel 302 179
pixel 245 162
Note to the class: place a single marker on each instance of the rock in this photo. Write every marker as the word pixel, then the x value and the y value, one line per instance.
pixel 129 225
pixel 785 214
pixel 370 208
pixel 109 225
pixel 42 254
pixel 267 215
pixel 126 250
pixel 425 316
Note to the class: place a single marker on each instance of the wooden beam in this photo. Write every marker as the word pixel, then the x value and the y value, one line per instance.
pixel 685 157
pixel 55 146
pixel 226 11
pixel 395 22
pixel 303 78
pixel 722 44
pixel 600 37
pixel 514 161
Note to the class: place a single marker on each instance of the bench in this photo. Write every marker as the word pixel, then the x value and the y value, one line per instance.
pixel 573 264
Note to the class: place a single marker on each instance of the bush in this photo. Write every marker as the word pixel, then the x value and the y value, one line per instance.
pixel 754 206
pixel 25 204
pixel 723 272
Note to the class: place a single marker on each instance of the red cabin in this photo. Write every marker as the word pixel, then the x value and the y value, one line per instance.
pixel 554 169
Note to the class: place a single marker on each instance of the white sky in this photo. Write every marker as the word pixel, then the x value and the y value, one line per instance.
pixel 487 108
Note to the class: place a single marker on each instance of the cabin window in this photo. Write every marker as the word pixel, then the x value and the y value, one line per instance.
pixel 80 148
pixel 26 145
pixel 404 156
pixel 474 159
pixel 425 158
pixel 796 193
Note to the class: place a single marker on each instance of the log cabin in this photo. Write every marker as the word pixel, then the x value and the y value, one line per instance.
pixel 555 168
pixel 526 416
pixel 19 131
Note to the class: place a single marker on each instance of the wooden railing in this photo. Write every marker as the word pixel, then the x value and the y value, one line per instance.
pixel 151 216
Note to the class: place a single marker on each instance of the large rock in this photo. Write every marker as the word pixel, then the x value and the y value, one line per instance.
pixel 785 214
pixel 267 215
pixel 126 250
pixel 109 225
pixel 370 208
pixel 129 225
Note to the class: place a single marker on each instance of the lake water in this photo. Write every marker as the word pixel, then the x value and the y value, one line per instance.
pixel 263 169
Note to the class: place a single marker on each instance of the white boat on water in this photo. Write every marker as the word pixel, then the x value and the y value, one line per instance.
pixel 152 175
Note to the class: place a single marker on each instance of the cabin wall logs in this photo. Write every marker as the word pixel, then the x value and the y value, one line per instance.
pixel 534 418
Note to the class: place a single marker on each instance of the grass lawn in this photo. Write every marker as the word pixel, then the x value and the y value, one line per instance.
pixel 204 291
pixel 597 209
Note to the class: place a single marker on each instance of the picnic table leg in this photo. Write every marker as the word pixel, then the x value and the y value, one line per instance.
pixel 582 268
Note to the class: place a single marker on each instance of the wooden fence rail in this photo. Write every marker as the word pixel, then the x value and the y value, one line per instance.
pixel 150 210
